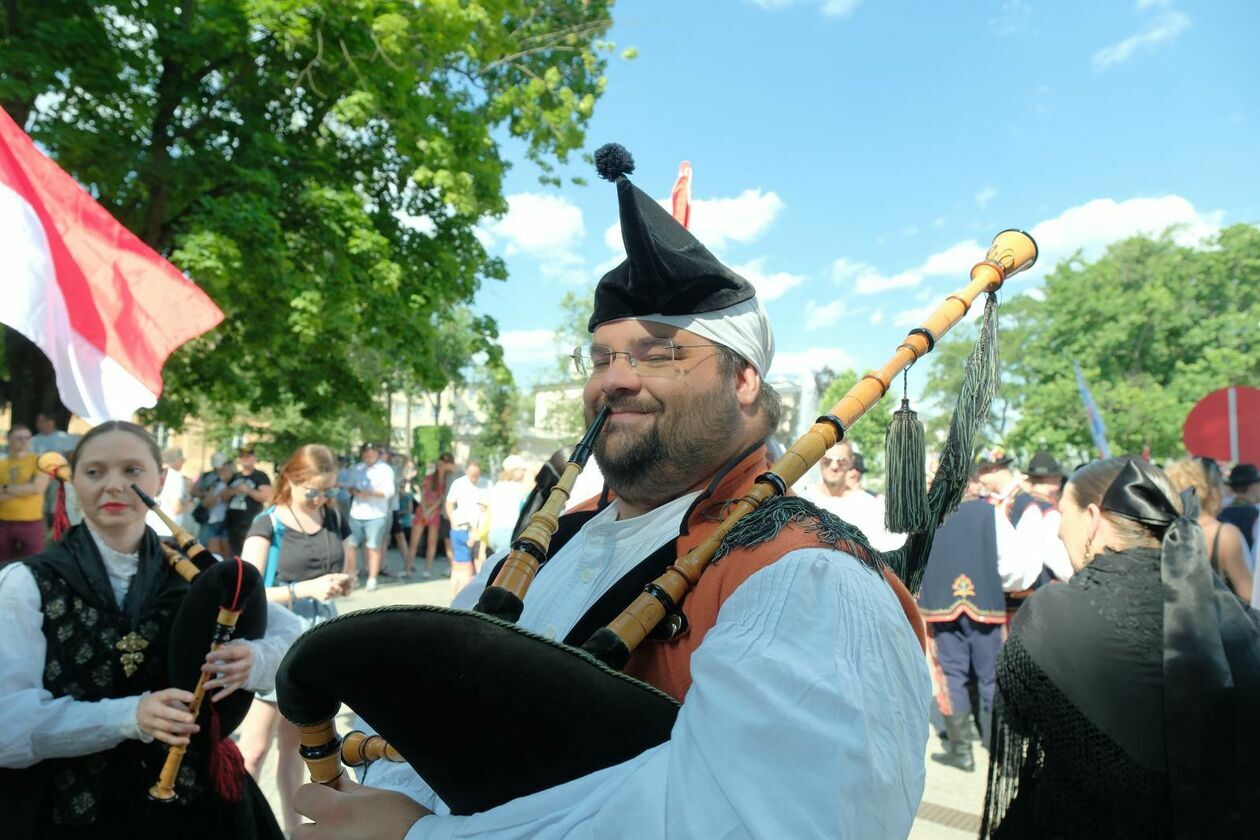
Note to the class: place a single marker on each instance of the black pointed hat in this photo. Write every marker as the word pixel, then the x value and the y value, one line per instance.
pixel 666 271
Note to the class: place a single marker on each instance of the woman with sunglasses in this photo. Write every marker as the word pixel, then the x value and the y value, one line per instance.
pixel 298 544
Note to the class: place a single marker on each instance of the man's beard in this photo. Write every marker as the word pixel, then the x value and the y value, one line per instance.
pixel 683 443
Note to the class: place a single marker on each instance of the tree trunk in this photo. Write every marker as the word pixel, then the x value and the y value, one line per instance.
pixel 31 387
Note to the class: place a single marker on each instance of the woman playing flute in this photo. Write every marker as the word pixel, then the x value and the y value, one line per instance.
pixel 86 706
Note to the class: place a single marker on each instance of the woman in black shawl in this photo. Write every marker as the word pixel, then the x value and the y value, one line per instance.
pixel 86 704
pixel 1128 698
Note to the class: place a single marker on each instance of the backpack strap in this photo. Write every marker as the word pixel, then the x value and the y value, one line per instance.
pixel 273 553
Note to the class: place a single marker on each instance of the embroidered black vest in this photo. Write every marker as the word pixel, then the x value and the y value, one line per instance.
pixel 84 661
pixel 962 571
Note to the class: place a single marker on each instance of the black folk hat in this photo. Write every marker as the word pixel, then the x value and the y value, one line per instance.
pixel 1043 465
pixel 1243 475
pixel 667 271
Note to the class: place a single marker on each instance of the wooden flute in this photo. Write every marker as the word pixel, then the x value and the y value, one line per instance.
pixel 1012 251
pixel 195 551
pixel 163 790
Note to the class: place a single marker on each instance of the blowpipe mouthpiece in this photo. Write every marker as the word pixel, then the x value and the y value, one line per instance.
pixel 582 451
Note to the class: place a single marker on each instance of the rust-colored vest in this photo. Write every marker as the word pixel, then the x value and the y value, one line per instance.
pixel 667 664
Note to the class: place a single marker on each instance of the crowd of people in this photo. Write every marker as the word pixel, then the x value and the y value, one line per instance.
pixel 1091 629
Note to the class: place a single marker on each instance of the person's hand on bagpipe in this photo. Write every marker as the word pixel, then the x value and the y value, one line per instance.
pixel 346 810
pixel 164 716
pixel 229 668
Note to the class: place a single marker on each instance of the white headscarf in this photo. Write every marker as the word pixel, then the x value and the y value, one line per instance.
pixel 743 328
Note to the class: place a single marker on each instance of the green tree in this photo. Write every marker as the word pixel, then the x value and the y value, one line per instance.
pixel 502 406
pixel 565 419
pixel 1155 325
pixel 317 166
pixel 867 435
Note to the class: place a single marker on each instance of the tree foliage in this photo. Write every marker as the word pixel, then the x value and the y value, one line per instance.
pixel 317 166
pixel 1155 325
pixel 565 419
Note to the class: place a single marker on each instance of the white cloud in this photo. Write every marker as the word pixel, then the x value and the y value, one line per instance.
pixel 528 347
pixel 985 196
pixel 877 317
pixel 820 316
pixel 768 286
pixel 1089 227
pixel 955 260
pixel 1092 226
pixel 839 8
pixel 867 280
pixel 797 362
pixel 540 225
pixel 717 221
pixel 567 268
pixel 1162 29
pixel 831 8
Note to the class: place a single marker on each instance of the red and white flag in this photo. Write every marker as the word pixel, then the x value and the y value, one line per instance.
pixel 104 307
pixel 680 196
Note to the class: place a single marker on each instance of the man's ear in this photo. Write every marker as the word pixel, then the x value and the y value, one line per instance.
pixel 747 386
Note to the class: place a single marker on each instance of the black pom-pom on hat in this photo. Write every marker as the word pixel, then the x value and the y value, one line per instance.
pixel 612 161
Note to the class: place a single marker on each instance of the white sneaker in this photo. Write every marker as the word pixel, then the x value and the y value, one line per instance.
pixel 371 585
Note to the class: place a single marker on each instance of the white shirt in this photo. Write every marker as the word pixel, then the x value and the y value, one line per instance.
pixel 1038 533
pixel 33 725
pixel 467 498
pixel 807 716
pixel 505 503
pixel 378 478
pixel 859 508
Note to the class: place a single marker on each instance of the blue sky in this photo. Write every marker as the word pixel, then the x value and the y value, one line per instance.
pixel 853 158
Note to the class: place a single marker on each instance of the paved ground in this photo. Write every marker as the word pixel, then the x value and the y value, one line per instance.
pixel 952 799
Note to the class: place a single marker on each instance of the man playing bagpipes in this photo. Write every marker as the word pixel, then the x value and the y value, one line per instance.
pixel 803 686
pixel 696 652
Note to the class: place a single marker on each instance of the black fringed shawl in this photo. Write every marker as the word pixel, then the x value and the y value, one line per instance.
pixel 1128 704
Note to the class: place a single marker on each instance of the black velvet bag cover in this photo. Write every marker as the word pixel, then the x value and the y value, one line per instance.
pixel 551 712
pixel 222 584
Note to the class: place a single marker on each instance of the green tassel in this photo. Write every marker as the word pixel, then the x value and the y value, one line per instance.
pixel 906 510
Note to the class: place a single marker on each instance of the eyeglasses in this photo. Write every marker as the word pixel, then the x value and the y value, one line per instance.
pixel 646 358
pixel 837 462
pixel 313 494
